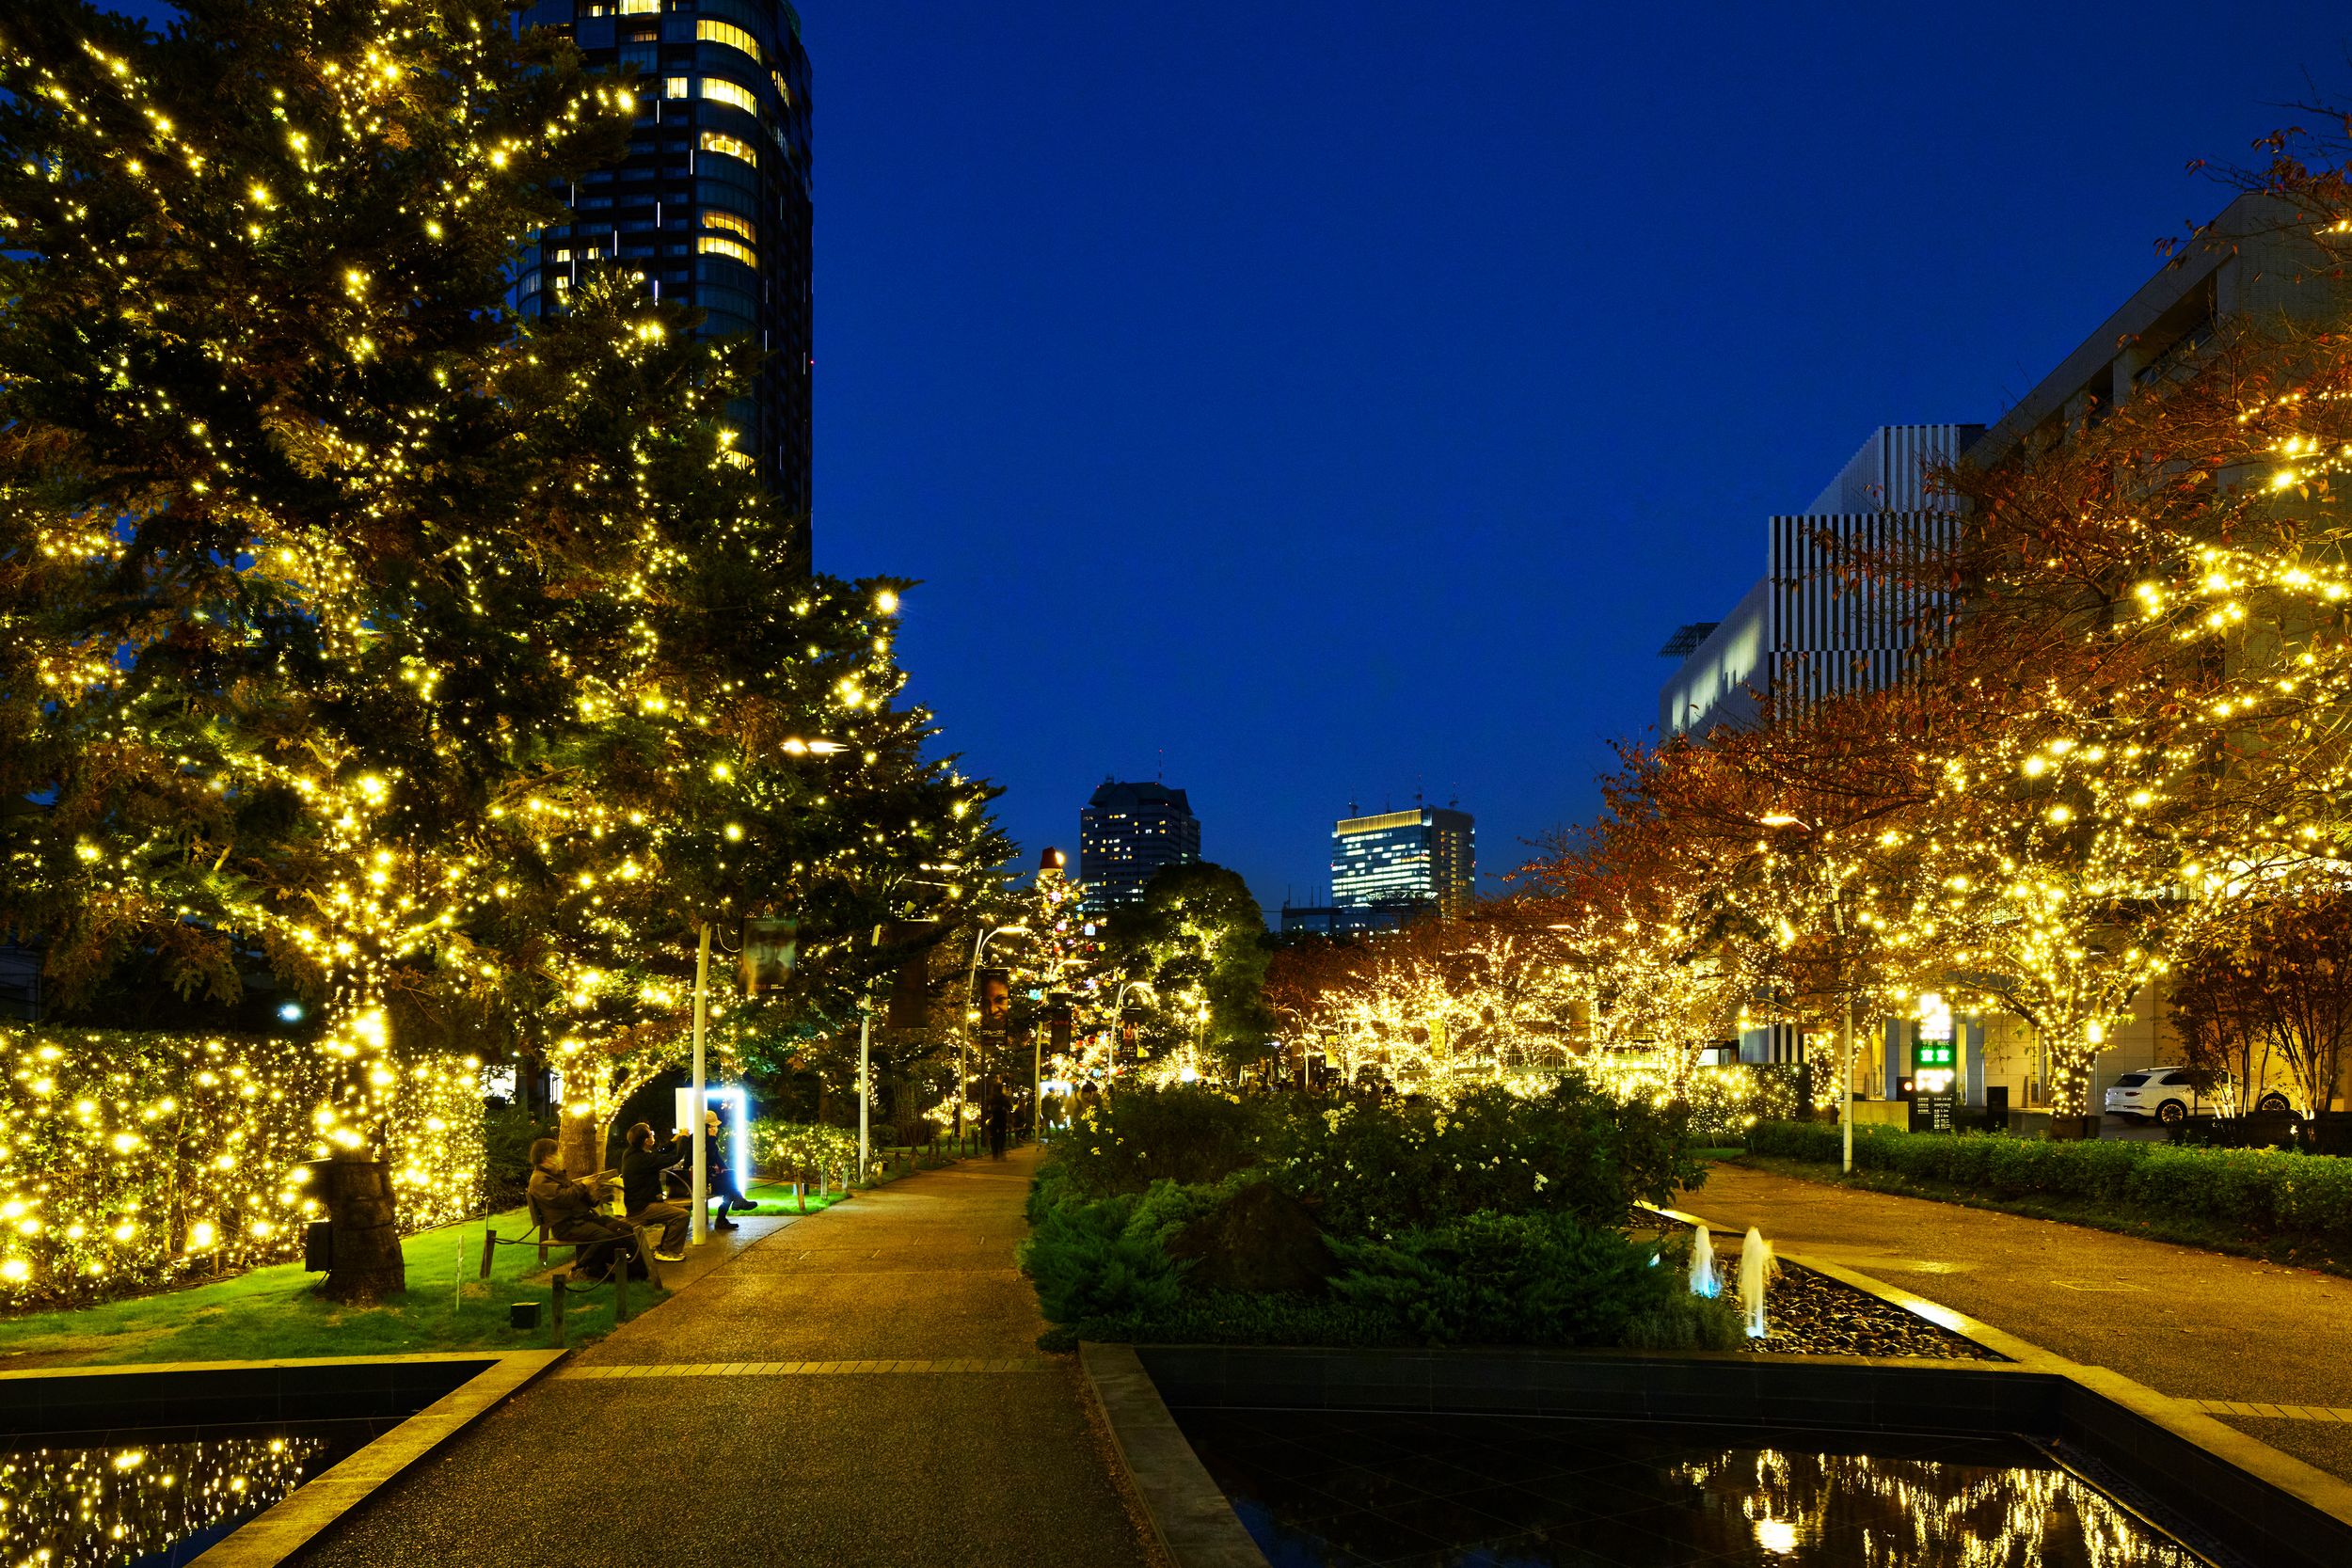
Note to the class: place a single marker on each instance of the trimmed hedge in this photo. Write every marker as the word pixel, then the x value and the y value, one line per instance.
pixel 2261 1190
pixel 1103 1270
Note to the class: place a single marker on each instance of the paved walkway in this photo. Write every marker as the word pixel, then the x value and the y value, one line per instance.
pixel 2197 1325
pixel 859 1387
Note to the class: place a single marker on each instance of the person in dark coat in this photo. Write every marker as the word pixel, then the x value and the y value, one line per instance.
pixel 573 1211
pixel 641 1191
pixel 995 1116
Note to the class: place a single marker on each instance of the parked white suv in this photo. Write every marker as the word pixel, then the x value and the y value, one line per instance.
pixel 2175 1094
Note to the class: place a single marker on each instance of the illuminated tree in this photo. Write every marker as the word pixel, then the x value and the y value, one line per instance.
pixel 456 661
pixel 1198 939
pixel 2280 985
pixel 253 272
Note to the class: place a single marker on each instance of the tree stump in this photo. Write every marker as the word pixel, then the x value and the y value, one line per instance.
pixel 366 1263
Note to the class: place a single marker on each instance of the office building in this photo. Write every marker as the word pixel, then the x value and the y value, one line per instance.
pixel 1126 833
pixel 712 202
pixel 1803 633
pixel 1422 859
pixel 1331 919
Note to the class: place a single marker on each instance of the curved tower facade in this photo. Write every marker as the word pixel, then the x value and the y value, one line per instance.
pixel 712 203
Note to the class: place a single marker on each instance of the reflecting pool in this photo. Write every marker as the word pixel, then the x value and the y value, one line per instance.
pixel 103 1500
pixel 1321 1489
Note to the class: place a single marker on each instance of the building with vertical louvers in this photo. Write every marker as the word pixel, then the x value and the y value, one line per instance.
pixel 1803 633
pixel 712 203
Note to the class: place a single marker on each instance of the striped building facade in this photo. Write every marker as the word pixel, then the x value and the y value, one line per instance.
pixel 1814 628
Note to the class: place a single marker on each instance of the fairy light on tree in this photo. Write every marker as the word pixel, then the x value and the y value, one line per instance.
pixel 458 663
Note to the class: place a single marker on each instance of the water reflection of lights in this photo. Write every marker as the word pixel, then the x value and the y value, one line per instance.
pixel 86 1508
pixel 1911 1511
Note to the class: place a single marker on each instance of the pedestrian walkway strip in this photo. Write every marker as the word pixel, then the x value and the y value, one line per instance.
pixel 807 1369
pixel 2274 1412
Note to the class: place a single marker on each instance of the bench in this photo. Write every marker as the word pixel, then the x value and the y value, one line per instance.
pixel 542 1237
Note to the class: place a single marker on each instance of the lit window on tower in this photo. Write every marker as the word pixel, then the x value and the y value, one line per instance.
pixel 728 33
pixel 719 90
pixel 714 141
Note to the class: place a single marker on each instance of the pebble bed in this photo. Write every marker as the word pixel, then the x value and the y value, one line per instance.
pixel 1811 1314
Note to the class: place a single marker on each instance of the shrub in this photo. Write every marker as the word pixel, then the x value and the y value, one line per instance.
pixel 1094 1257
pixel 1517 1280
pixel 2252 1190
pixel 133 1160
pixel 1103 1270
pixel 788 1148
pixel 1182 1133
pixel 1380 1169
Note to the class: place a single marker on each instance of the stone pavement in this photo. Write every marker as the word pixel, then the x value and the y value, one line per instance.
pixel 2197 1325
pixel 860 1386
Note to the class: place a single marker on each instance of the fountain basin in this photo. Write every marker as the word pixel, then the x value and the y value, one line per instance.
pixel 241 1461
pixel 2261 1507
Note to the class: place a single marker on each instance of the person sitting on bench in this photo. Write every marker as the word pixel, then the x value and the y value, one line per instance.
pixel 573 1212
pixel 641 1191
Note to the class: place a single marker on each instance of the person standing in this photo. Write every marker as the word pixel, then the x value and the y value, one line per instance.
pixel 996 1114
pixel 641 1201
pixel 720 1175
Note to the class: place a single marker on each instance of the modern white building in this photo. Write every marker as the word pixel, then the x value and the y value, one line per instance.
pixel 1806 631
pixel 1801 633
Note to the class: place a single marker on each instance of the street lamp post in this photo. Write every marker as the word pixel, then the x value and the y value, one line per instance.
pixel 798 748
pixel 971 1018
pixel 702 1139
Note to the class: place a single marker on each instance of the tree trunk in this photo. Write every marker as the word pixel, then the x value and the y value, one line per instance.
pixel 366 1264
pixel 580 1142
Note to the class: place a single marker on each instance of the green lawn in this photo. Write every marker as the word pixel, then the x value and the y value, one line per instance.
pixel 271 1313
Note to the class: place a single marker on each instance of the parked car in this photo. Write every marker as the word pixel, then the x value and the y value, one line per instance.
pixel 2171 1094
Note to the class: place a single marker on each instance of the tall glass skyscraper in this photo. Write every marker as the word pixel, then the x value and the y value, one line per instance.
pixel 712 203
pixel 1427 858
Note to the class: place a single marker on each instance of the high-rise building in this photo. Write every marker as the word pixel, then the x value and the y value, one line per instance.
pixel 712 202
pixel 1422 859
pixel 1126 833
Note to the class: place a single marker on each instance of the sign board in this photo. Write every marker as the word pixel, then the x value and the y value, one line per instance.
pixel 769 944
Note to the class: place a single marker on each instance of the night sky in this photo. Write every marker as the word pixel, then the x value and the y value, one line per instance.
pixel 1328 402
pixel 1322 403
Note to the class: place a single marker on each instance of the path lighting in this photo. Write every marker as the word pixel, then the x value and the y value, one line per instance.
pixel 972 1012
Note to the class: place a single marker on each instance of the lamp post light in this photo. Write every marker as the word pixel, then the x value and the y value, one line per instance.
pixel 1845 999
pixel 795 747
pixel 972 1015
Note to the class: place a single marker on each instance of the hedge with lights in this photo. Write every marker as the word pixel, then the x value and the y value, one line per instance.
pixel 134 1161
pixel 788 1148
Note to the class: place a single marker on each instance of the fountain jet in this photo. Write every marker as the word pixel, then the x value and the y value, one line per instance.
pixel 1704 1281
pixel 1755 1261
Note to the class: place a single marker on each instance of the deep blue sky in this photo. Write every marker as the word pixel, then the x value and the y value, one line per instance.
pixel 1337 398
pixel 1324 400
